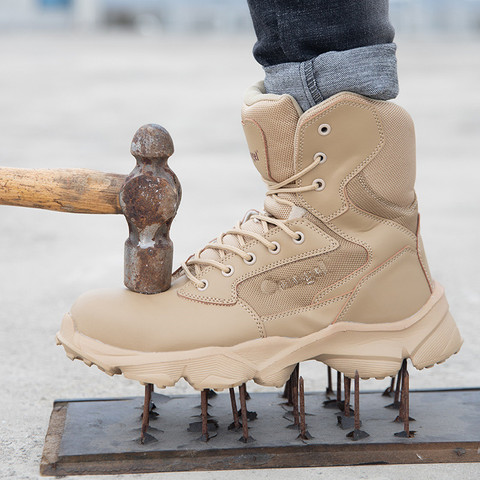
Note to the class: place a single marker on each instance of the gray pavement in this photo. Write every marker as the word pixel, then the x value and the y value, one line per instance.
pixel 75 101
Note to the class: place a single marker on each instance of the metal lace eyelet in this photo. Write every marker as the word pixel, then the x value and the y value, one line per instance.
pixel 230 271
pixel 320 183
pixel 324 129
pixel 205 285
pixel 321 156
pixel 276 250
pixel 252 260
pixel 300 239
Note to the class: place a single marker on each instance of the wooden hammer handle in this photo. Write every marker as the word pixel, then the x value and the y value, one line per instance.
pixel 63 190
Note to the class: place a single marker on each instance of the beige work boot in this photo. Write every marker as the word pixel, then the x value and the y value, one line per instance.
pixel 333 270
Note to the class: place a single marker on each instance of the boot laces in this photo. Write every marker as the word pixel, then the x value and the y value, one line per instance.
pixel 195 262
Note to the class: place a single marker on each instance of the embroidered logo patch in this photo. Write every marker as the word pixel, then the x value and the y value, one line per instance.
pixel 269 286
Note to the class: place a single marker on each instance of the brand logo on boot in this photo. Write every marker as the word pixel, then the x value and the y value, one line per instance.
pixel 255 156
pixel 308 277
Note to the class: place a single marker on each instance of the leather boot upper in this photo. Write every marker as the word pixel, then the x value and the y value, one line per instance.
pixel 342 210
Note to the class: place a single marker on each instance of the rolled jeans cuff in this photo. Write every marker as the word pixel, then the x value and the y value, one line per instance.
pixel 370 71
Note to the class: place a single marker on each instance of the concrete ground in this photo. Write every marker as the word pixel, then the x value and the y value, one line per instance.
pixel 75 101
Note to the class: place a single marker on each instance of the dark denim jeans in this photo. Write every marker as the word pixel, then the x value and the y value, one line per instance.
pixel 313 49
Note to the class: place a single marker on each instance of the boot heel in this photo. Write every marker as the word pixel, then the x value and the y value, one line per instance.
pixel 428 337
pixel 443 342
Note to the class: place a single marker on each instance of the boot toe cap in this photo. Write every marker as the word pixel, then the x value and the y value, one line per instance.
pixel 115 317
pixel 160 322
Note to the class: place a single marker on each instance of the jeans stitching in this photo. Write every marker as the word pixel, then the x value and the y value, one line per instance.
pixel 311 83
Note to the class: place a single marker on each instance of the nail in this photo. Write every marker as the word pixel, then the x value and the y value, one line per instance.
pixel 337 402
pixel 388 391
pixel 304 434
pixel 405 405
pixel 286 390
pixel 405 400
pixel 236 422
pixel 204 400
pixel 146 411
pixel 339 387
pixel 329 390
pixel 396 400
pixel 290 382
pixel 344 419
pixel 399 381
pixel 243 406
pixel 346 406
pixel 296 420
pixel 357 401
pixel 357 434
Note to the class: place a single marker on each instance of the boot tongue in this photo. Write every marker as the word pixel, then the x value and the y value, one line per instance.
pixel 270 122
pixel 284 211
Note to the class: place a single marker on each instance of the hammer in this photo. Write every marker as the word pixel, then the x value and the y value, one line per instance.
pixel 148 197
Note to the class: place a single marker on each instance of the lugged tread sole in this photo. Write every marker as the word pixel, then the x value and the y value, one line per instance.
pixel 374 350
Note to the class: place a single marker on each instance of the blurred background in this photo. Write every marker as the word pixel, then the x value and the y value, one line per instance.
pixel 213 15
pixel 78 77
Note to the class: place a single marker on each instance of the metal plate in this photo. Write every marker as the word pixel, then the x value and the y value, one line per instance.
pixel 102 435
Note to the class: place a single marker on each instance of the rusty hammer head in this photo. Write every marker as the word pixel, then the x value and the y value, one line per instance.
pixel 149 200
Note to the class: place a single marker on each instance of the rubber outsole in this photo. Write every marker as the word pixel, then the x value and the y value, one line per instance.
pixel 374 350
